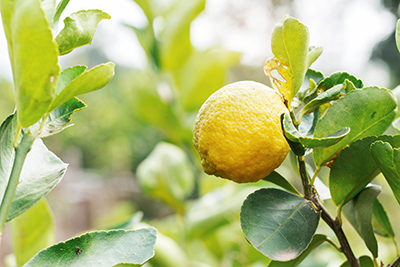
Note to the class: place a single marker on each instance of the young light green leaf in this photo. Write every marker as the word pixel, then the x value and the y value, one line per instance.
pixel 104 248
pixel 59 10
pixel 175 38
pixel 359 213
pixel 317 240
pixel 67 76
pixel 278 224
pixel 388 160
pixel 313 54
pixel 49 8
pixel 60 117
pixel 350 111
pixel 147 9
pixel 88 81
pixel 289 45
pixel 32 231
pixel 79 30
pixel 33 56
pixel 311 79
pixel 41 172
pixel 355 167
pixel 279 180
pixel 380 221
pixel 325 97
pixel 339 78
pixel 398 35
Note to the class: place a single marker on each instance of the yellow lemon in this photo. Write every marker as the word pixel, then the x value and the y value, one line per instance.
pixel 238 132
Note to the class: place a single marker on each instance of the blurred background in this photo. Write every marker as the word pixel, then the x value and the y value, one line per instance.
pixel 130 153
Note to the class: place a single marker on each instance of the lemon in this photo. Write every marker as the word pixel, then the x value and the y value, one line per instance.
pixel 238 132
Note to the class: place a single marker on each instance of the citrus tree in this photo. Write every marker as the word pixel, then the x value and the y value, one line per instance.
pixel 244 131
pixel 45 100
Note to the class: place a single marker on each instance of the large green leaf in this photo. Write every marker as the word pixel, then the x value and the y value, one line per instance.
pixel 88 81
pixel 367 112
pixel 359 213
pixel 317 240
pixel 289 45
pixel 176 46
pixel 278 224
pixel 388 160
pixel 79 30
pixel 33 56
pixel 32 231
pixel 101 248
pixel 354 168
pixel 42 170
pixel 204 73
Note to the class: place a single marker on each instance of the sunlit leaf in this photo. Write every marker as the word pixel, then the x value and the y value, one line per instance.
pixel 388 160
pixel 176 45
pixel 289 44
pixel 398 35
pixel 339 78
pixel 317 240
pixel 367 112
pixel 311 79
pixel 33 56
pixel 278 224
pixel 101 247
pixel 359 213
pixel 32 231
pixel 365 261
pixel 88 81
pixel 49 8
pixel 313 54
pixel 355 167
pixel 60 8
pixel 79 29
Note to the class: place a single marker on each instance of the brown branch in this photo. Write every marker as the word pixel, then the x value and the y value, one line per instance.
pixel 396 262
pixel 311 194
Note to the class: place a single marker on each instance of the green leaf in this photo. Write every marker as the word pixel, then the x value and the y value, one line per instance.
pixel 33 56
pixel 67 76
pixel 101 248
pixel 317 240
pixel 79 29
pixel 278 224
pixel 396 124
pixel 355 167
pixel 49 8
pixel 339 78
pixel 367 112
pixel 380 221
pixel 279 180
pixel 388 160
pixel 313 54
pixel 88 81
pixel 398 35
pixel 289 44
pixel 41 172
pixel 294 135
pixel 364 261
pixel 359 213
pixel 166 174
pixel 60 117
pixel 147 9
pixel 175 38
pixel 32 231
pixel 203 74
pixel 325 97
pixel 59 10
pixel 311 79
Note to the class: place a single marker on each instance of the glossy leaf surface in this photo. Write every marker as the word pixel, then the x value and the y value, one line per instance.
pixel 278 179
pixel 100 248
pixel 350 111
pixel 354 168
pixel 79 30
pixel 278 224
